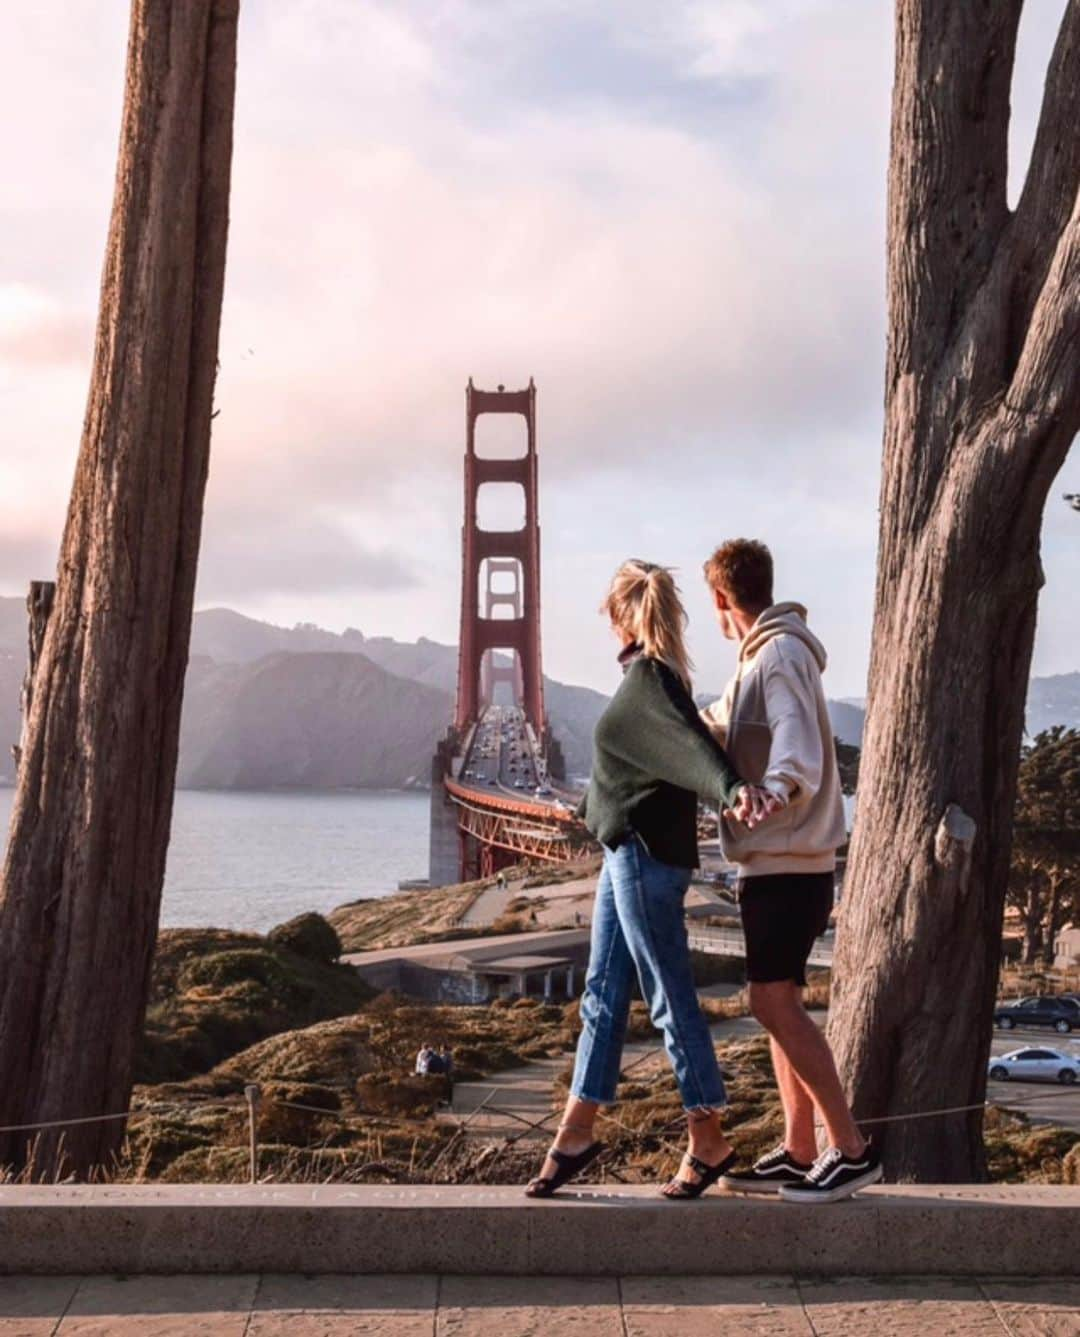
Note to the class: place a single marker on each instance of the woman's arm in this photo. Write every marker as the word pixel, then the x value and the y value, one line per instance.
pixel 661 733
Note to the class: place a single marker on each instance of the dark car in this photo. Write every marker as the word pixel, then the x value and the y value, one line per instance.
pixel 1059 1013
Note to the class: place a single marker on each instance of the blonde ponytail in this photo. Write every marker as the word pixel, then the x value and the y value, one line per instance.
pixel 643 602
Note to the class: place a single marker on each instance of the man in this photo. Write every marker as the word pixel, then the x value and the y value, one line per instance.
pixel 423 1060
pixel 774 723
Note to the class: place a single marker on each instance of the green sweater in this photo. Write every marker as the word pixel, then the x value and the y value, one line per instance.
pixel 652 757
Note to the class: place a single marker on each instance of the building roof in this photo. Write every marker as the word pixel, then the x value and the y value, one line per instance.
pixel 515 965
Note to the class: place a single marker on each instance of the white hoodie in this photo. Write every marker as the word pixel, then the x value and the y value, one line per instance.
pixel 774 724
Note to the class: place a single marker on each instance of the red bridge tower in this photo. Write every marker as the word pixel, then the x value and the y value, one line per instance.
pixel 515 552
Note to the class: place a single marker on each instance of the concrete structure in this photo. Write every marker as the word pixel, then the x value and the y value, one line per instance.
pixel 614 1230
pixel 474 970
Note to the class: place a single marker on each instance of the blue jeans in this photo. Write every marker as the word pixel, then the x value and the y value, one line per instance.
pixel 638 929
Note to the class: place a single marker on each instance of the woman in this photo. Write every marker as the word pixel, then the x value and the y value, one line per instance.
pixel 652 756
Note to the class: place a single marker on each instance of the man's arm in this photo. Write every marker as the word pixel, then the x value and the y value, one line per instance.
pixel 796 756
pixel 715 717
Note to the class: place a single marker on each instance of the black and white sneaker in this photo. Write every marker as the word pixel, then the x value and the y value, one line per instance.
pixel 834 1176
pixel 767 1173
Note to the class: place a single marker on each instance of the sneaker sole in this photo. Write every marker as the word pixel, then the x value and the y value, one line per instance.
pixel 790 1194
pixel 762 1186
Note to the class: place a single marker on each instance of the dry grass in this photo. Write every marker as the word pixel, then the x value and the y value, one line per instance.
pixel 405 919
pixel 1019 981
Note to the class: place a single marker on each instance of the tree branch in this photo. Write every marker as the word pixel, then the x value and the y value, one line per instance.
pixel 1053 174
pixel 1043 399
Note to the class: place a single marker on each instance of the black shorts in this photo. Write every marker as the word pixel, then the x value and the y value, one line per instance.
pixel 782 914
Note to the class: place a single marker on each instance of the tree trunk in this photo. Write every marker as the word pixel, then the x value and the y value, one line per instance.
pixel 1033 916
pixel 82 878
pixel 982 403
pixel 39 604
pixel 1055 918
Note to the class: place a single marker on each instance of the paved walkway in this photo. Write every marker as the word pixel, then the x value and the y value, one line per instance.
pixel 527 1092
pixel 457 1306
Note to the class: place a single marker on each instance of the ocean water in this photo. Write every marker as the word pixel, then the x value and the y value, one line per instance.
pixel 246 860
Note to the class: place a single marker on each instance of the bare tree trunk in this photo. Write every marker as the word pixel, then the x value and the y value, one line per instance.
pixel 82 879
pixel 1055 917
pixel 1033 916
pixel 982 403
pixel 39 604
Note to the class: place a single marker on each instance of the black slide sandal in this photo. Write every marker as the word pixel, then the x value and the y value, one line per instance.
pixel 709 1174
pixel 569 1166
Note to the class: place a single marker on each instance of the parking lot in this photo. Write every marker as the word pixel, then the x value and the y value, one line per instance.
pixel 1055 1104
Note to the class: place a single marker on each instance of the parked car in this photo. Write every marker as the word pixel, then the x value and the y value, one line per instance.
pixel 1035 1065
pixel 1055 1012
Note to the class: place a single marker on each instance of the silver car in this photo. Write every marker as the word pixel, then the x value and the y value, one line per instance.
pixel 1035 1065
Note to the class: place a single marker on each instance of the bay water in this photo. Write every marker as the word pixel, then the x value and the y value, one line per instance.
pixel 250 860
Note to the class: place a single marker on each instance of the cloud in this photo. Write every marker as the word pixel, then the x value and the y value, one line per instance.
pixel 672 216
pixel 269 553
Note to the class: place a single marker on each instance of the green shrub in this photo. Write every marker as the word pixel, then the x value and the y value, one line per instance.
pixel 310 936
pixel 222 970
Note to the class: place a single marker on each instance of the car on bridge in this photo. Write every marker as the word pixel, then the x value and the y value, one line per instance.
pixel 1035 1065
pixel 1059 1013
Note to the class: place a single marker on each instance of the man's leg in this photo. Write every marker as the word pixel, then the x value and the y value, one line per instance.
pixel 778 1006
pixel 800 1140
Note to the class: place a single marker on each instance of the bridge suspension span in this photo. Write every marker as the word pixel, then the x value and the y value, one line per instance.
pixel 497 795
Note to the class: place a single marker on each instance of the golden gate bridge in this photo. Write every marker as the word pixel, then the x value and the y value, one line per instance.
pixel 498 794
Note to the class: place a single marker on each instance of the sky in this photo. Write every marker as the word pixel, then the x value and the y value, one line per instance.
pixel 670 215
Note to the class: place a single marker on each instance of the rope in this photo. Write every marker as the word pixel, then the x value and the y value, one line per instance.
pixel 1021 1101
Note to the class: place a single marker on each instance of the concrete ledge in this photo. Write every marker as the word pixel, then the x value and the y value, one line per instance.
pixel 624 1231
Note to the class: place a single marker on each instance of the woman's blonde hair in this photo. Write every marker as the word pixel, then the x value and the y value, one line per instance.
pixel 643 602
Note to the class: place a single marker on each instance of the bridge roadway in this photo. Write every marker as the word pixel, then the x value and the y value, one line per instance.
pixel 504 795
pixel 503 754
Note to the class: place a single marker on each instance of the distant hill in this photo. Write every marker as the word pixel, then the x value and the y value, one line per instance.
pixel 1053 700
pixel 267 705
pixel 317 720
pixel 228 637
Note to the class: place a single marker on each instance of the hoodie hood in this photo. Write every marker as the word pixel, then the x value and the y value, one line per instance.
pixel 787 619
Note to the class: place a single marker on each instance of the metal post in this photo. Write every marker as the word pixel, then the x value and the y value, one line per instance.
pixel 569 981
pixel 253 1094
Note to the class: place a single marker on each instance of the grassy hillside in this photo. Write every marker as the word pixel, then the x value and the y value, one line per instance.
pixel 215 992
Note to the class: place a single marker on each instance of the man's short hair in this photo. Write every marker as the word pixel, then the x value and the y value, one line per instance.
pixel 743 570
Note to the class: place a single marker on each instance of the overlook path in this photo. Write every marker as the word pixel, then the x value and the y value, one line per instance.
pixel 464 1306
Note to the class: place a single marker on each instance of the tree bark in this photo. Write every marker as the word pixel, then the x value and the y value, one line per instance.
pixel 39 604
pixel 83 873
pixel 982 402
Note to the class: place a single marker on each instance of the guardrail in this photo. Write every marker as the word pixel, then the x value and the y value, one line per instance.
pixel 731 942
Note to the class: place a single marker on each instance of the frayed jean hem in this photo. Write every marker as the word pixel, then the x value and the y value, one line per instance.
pixel 592 1100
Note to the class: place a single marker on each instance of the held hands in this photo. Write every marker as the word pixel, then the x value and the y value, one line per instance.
pixel 753 805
